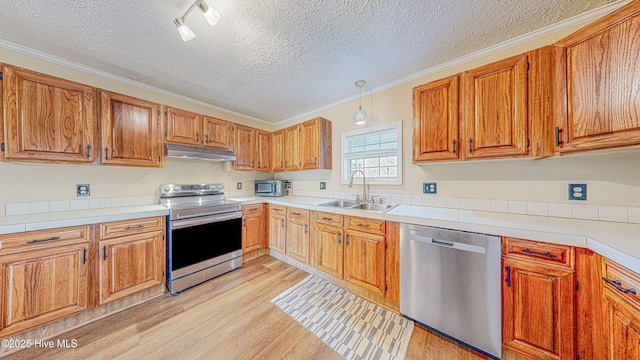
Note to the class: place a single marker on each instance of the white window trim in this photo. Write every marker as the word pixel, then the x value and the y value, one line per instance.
pixel 343 165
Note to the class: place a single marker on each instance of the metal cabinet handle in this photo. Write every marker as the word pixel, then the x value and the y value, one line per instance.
pixel 106 153
pixel 296 213
pixel 347 239
pixel 470 146
pixel 253 164
pixel 618 285
pixel 43 240
pixel 197 137
pixel 558 141
pixel 206 138
pixel 134 227
pixel 315 161
pixel 282 223
pixel 453 146
pixel 245 223
pixel 84 256
pixel 363 225
pixel 339 235
pixel 508 279
pixel 88 153
pixel 104 253
pixel 281 163
pixel 305 228
pixel 547 254
pixel 258 164
pixel 326 218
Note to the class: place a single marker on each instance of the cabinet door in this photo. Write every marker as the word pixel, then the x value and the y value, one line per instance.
pixel 245 148
pixel 291 148
pixel 252 233
pixel 184 127
pixel 623 326
pixel 495 98
pixel 217 133
pixel 309 145
pixel 47 119
pixel 298 240
pixel 601 88
pixel 328 242
pixel 538 310
pixel 277 232
pixel 263 150
pixel 435 120
pixel 277 151
pixel 130 264
pixel 42 285
pixel 130 131
pixel 364 263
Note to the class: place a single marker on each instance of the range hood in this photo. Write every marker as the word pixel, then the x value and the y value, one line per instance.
pixel 197 152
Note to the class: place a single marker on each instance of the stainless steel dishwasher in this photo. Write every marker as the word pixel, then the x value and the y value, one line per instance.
pixel 450 282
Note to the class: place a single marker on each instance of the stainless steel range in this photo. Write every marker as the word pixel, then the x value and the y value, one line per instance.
pixel 205 234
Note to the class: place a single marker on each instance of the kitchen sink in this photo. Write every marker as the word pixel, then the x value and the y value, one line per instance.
pixel 374 207
pixel 340 203
pixel 362 206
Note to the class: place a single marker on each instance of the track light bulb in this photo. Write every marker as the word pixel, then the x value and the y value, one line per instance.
pixel 185 32
pixel 209 13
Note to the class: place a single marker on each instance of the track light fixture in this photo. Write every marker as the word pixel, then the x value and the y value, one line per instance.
pixel 209 13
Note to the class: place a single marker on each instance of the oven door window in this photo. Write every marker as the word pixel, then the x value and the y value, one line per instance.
pixel 198 243
pixel 264 188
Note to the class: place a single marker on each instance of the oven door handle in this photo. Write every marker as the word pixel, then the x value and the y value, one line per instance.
pixel 179 224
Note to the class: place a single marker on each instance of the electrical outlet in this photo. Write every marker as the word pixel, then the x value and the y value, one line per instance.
pixel 577 191
pixel 429 188
pixel 239 186
pixel 323 185
pixel 83 190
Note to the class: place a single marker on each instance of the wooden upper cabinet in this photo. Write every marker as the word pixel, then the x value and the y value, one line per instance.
pixel 263 151
pixel 315 144
pixel 244 148
pixel 131 132
pixel 47 119
pixel 277 150
pixel 183 127
pixel 291 148
pixel 217 133
pixel 435 120
pixel 601 87
pixel 495 113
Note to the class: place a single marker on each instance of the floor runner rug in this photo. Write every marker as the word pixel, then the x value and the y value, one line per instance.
pixel 353 327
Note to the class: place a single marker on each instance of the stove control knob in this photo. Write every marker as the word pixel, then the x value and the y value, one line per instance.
pixel 176 188
pixel 220 186
pixel 167 188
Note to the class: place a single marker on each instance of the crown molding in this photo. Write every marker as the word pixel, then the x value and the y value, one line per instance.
pixel 117 78
pixel 522 39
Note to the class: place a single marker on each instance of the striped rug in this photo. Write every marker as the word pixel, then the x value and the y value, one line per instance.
pixel 353 327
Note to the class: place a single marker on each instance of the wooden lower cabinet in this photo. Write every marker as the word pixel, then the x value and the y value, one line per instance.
pixel 622 321
pixel 277 228
pixel 39 286
pixel 364 261
pixel 538 306
pixel 298 244
pixel 252 228
pixel 329 249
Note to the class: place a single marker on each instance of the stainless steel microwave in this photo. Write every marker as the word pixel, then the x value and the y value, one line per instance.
pixel 272 187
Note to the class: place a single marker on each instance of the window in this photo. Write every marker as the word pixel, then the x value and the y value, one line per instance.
pixel 375 151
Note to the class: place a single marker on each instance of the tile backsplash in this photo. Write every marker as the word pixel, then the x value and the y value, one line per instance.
pixel 40 207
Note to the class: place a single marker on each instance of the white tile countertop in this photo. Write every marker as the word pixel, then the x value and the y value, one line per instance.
pixel 619 242
pixel 22 223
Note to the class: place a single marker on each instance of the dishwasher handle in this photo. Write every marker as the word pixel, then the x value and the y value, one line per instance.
pixel 448 244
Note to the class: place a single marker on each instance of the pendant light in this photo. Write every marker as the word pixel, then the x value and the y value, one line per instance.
pixel 360 116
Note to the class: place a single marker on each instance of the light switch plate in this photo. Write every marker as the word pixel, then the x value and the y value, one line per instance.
pixel 429 188
pixel 577 191
pixel 323 185
pixel 239 186
pixel 83 190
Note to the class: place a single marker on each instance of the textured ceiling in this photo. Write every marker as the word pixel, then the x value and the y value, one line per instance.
pixel 273 60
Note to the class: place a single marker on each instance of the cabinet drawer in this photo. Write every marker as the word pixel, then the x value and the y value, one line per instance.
pixel 42 238
pixel 277 209
pixel 621 280
pixel 129 227
pixel 329 219
pixel 251 209
pixel 372 226
pixel 298 213
pixel 539 251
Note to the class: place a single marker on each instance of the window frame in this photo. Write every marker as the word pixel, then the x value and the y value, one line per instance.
pixel 344 178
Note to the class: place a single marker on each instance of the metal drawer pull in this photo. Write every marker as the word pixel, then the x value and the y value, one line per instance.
pixel 617 284
pixel 84 256
pixel 363 225
pixel 104 253
pixel 134 227
pixel 327 218
pixel 296 213
pixel 88 153
pixel 508 279
pixel 43 240
pixel 547 254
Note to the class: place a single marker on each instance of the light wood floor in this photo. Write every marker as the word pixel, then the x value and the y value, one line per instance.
pixel 230 317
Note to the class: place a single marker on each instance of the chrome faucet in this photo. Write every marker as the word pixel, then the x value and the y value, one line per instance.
pixel 364 184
